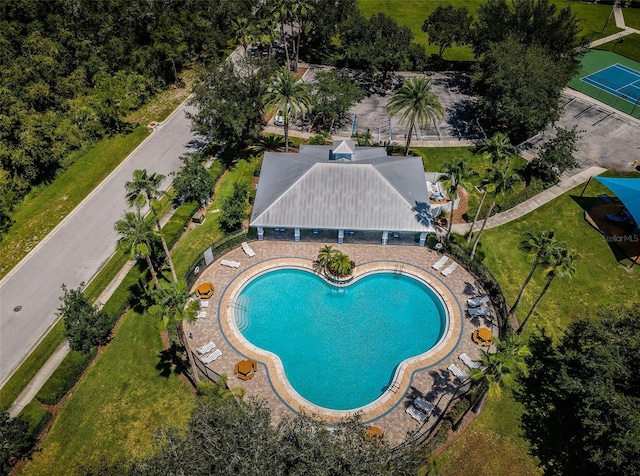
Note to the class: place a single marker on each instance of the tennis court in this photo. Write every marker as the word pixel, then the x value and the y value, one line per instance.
pixel 619 80
pixel 610 78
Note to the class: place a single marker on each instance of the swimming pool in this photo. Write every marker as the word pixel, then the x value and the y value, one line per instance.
pixel 340 346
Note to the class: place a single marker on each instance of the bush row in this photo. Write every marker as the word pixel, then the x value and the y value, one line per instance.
pixel 64 377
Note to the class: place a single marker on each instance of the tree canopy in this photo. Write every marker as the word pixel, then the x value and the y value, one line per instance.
pixel 556 156
pixel 448 26
pixel 519 87
pixel 582 396
pixel 71 70
pixel 193 181
pixel 225 436
pixel 85 326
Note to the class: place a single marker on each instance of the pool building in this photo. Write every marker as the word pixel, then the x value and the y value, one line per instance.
pixel 344 189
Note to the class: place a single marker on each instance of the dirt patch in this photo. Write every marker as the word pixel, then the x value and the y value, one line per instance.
pixel 463 206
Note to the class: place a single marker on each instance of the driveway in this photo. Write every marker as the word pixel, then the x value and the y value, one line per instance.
pixel 80 245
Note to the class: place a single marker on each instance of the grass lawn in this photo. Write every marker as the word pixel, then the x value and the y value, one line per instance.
pixel 632 16
pixel 599 280
pixel 490 445
pixel 126 395
pixel 199 238
pixel 115 409
pixel 627 46
pixel 30 367
pixel 413 14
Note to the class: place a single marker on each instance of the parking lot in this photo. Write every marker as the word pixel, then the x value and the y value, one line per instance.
pixel 370 115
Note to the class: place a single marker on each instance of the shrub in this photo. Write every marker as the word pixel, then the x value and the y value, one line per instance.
pixel 458 410
pixel 64 377
pixel 440 437
pixel 535 187
pixel 85 326
pixel 178 222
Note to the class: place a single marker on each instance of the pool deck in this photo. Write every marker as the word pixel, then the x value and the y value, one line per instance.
pixel 425 375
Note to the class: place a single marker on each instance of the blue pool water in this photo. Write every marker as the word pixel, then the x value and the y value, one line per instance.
pixel 340 346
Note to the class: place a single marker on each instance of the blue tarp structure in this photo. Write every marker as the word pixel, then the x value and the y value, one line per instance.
pixel 627 190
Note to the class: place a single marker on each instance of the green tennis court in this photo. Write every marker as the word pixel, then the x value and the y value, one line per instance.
pixel 600 71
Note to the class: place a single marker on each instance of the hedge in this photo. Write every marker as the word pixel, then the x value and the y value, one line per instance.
pixel 177 224
pixel 64 377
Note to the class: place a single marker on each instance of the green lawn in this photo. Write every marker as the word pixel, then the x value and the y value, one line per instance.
pixel 117 406
pixel 124 398
pixel 494 440
pixel 627 46
pixel 632 16
pixel 198 239
pixel 413 14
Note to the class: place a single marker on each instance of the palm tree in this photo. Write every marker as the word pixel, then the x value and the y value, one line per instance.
pixel 268 142
pixel 282 11
pixel 137 235
pixel 143 189
pixel 538 246
pixel 419 105
pixel 499 181
pixel 325 256
pixel 242 32
pixel 341 265
pixel 173 304
pixel 562 262
pixel 289 95
pixel 498 149
pixel 500 369
pixel 302 10
pixel 458 170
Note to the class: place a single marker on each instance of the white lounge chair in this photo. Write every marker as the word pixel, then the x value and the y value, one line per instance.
pixel 469 362
pixel 423 405
pixel 247 249
pixel 201 314
pixel 229 263
pixel 458 372
pixel 206 348
pixel 450 269
pixel 478 301
pixel 416 414
pixel 479 311
pixel 211 357
pixel 204 303
pixel 440 263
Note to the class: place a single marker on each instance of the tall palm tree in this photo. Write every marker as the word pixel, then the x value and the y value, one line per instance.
pixel 498 150
pixel 302 10
pixel 137 235
pixel 242 32
pixel 282 12
pixel 419 105
pixel 143 189
pixel 173 305
pixel 289 95
pixel 458 171
pixel 499 181
pixel 500 369
pixel 539 247
pixel 562 262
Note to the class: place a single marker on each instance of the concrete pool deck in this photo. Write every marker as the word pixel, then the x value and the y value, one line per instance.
pixel 425 375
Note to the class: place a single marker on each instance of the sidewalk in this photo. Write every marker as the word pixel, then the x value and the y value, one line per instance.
pixel 63 349
pixel 566 184
pixel 619 17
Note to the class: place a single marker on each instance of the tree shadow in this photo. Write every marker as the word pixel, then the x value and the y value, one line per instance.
pixel 172 361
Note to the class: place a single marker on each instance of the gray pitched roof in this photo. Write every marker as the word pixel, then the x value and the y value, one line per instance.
pixel 372 191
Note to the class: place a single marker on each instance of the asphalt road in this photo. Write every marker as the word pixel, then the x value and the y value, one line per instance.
pixel 77 248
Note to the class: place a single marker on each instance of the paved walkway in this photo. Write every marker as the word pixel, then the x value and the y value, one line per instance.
pixel 617 13
pixel 63 349
pixel 566 184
